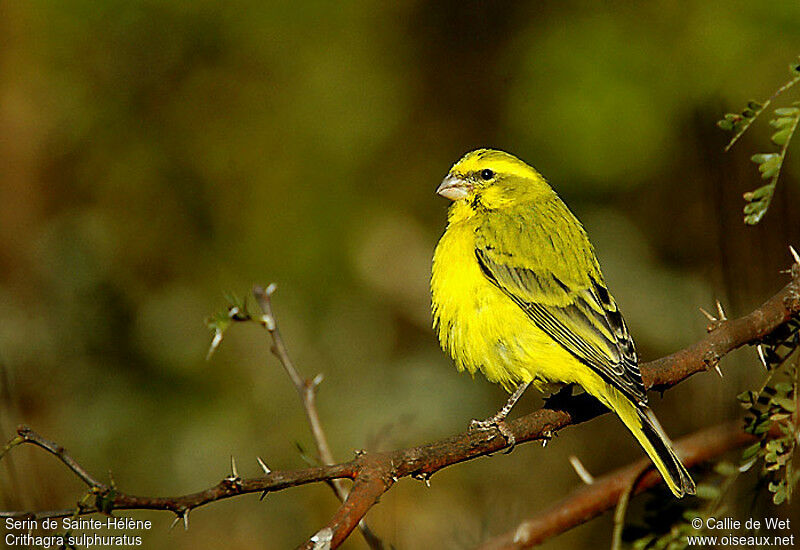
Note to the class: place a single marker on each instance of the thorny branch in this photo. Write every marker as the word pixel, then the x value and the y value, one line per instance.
pixel 307 391
pixel 374 473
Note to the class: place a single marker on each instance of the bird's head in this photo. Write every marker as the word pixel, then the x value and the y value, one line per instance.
pixel 493 179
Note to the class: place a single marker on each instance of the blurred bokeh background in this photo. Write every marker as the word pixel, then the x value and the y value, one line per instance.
pixel 156 155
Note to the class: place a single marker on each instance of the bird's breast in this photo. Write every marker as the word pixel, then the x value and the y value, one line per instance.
pixel 478 326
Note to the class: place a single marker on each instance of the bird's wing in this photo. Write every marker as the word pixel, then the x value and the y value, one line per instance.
pixel 574 308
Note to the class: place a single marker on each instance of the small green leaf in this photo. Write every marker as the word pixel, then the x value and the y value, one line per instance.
pixel 753 208
pixel 746 398
pixel 781 136
pixel 784 388
pixel 754 105
pixel 725 124
pixel 762 427
pixel 757 195
pixel 788 111
pixel 761 158
pixel 707 492
pixel 775 486
pixel 782 122
pixel 774 445
pixel 751 451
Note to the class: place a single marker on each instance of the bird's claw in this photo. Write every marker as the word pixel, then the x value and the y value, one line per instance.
pixel 500 426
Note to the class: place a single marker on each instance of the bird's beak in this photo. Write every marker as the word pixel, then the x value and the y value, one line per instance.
pixel 453 188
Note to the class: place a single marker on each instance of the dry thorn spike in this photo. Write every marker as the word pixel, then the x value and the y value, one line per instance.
pixel 234 472
pixel 424 477
pixel 186 520
pixel 322 539
pixel 795 255
pixel 215 342
pixel 581 470
pixel 722 316
pixel 271 289
pixel 761 356
pixel 268 321
pixel 719 371
pixel 708 315
pixel 263 465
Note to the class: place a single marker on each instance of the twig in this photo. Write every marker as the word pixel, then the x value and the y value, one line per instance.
pixel 307 391
pixel 375 473
pixel 26 435
pixel 622 506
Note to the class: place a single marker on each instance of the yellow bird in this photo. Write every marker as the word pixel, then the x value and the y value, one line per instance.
pixel 517 293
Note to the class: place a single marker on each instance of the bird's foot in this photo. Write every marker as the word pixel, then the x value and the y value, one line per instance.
pixel 495 423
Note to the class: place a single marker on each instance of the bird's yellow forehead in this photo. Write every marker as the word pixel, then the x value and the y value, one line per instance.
pixel 499 162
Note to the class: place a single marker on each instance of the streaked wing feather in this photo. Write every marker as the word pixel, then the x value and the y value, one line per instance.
pixel 584 320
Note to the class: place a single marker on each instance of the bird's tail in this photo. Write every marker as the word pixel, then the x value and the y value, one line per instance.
pixel 641 421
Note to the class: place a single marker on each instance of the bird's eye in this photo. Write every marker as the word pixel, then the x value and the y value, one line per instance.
pixel 487 174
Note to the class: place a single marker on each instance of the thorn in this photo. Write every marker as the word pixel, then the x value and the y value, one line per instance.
pixel 233 312
pixel 795 255
pixel 186 519
pixel 322 539
pixel 174 521
pixel 426 478
pixel 708 315
pixel 722 316
pixel 263 495
pixel 711 359
pixel 761 356
pixel 719 371
pixel 268 321
pixel 271 289
pixel 263 465
pixel 215 342
pixel 233 481
pixel 581 470
pixel 317 380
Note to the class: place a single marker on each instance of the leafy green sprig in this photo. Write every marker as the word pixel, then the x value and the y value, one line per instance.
pixel 775 404
pixel 785 124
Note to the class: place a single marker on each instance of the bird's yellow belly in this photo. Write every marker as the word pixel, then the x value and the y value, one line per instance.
pixel 483 329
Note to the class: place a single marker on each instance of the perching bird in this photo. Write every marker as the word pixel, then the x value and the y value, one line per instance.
pixel 517 293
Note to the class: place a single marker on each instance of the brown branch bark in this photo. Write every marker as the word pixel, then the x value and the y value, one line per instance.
pixel 589 501
pixel 375 473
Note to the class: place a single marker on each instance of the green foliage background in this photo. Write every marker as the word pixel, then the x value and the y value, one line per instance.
pixel 154 155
